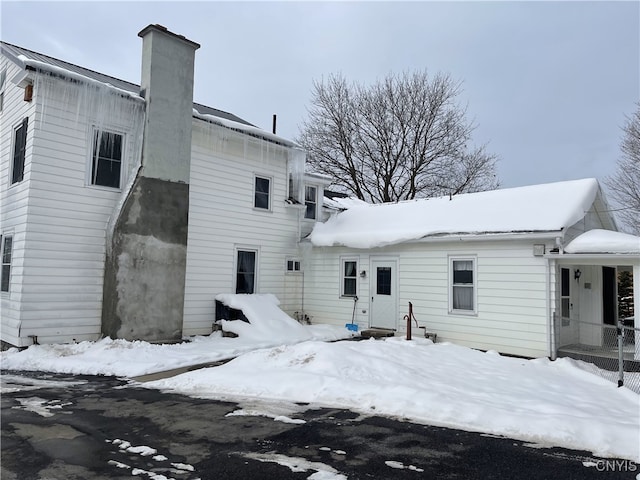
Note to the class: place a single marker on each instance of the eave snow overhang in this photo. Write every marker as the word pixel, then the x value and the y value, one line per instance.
pixel 38 66
pixel 452 237
pixel 246 129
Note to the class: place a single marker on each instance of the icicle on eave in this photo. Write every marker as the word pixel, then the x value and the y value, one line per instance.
pixel 85 108
pixel 295 173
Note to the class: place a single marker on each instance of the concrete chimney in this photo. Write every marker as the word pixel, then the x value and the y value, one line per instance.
pixel 167 86
pixel 143 295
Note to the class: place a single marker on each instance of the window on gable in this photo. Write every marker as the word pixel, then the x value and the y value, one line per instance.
pixel 462 296
pixel 310 201
pixel 3 76
pixel 19 151
pixel 262 193
pixel 106 164
pixel 5 274
pixel 349 278
pixel 246 271
pixel 293 265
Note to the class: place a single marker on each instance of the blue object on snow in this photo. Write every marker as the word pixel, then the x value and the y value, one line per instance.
pixel 352 326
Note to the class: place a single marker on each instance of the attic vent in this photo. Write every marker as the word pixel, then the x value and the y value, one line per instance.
pixel 28 93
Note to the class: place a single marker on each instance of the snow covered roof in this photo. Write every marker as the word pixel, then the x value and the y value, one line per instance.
pixel 545 208
pixel 38 61
pixel 604 241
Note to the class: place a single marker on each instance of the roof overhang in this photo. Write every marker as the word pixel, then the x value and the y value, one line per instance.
pixel 489 236
pixel 604 259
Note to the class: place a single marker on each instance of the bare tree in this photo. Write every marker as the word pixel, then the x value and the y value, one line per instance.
pixel 624 185
pixel 403 137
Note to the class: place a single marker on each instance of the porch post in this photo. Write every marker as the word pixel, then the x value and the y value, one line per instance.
pixel 551 307
pixel 636 308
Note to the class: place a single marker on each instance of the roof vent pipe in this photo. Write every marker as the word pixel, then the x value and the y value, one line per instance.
pixel 273 127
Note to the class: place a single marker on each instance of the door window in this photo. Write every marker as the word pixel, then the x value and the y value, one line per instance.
pixel 383 281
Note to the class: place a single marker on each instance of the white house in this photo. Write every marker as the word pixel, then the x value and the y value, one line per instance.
pixel 510 270
pixel 125 209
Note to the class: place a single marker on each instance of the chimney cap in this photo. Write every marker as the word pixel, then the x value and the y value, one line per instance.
pixel 161 28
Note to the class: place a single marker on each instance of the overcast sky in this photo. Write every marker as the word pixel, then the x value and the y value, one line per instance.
pixel 547 83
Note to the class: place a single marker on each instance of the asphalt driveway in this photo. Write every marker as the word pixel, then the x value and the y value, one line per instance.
pixel 85 427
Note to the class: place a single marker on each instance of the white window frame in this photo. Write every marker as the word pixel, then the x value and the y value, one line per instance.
pixel 473 285
pixel 343 277
pixel 290 265
pixel 3 242
pixel 314 202
pixel 23 122
pixel 92 153
pixel 3 78
pixel 244 248
pixel 270 193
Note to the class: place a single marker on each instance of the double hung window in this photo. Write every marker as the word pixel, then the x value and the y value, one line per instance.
pixel 310 201
pixel 106 159
pixel 262 193
pixel 246 271
pixel 5 274
pixel 463 285
pixel 349 277
pixel 19 151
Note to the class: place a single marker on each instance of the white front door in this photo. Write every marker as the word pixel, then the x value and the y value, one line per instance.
pixel 384 298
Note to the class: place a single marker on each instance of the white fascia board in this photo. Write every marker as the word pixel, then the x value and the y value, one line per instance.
pixel 22 79
pixel 479 237
pixel 594 258
pixel 319 178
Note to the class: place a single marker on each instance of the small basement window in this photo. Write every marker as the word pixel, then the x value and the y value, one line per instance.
pixel 293 265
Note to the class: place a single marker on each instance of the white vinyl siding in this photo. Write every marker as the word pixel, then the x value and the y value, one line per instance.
pixel 59 223
pixel 223 170
pixel 512 309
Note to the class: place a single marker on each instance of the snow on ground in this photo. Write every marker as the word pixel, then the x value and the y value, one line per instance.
pixel 279 362
pixel 270 327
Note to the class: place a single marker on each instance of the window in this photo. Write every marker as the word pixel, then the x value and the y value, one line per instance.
pixel 293 265
pixel 106 164
pixel 310 201
pixel 246 271
pixel 7 248
pixel 19 151
pixel 349 278
pixel 383 281
pixel 3 76
pixel 565 292
pixel 462 297
pixel 262 193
